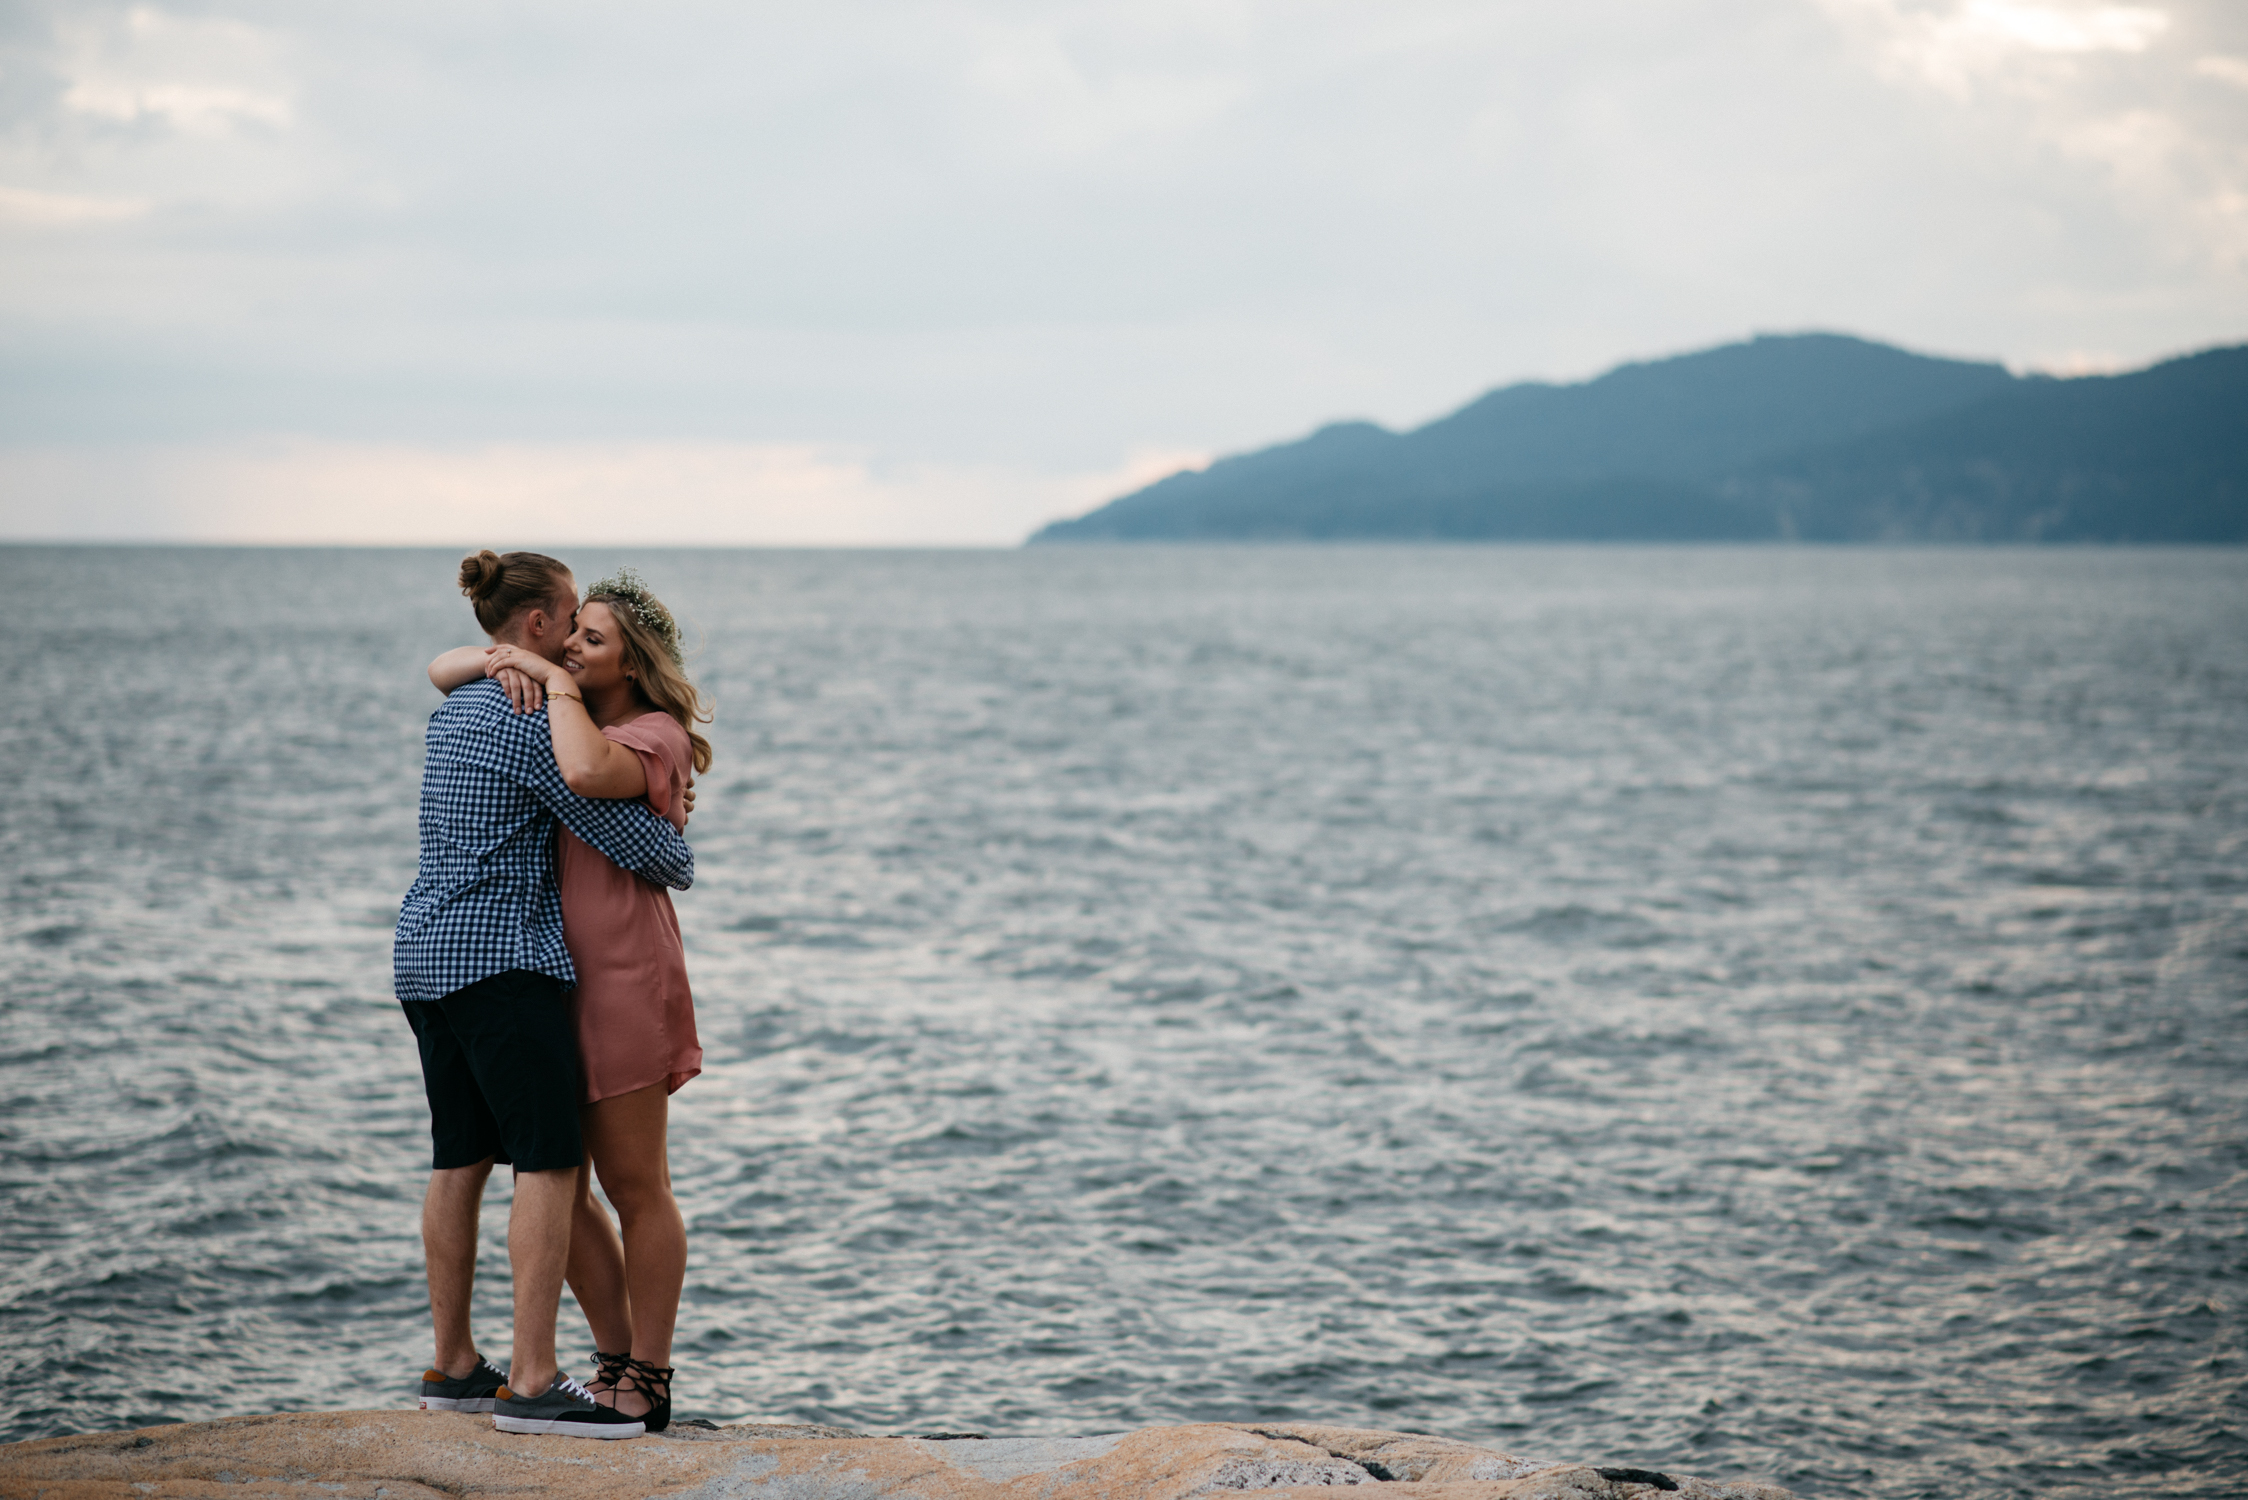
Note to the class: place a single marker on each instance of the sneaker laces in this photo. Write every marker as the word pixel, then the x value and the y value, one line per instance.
pixel 495 1369
pixel 564 1383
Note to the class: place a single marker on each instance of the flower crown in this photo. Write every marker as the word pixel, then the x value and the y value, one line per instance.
pixel 624 587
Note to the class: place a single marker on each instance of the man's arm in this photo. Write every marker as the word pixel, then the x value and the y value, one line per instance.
pixel 633 838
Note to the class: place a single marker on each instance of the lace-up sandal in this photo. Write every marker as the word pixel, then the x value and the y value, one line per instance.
pixel 653 1382
pixel 608 1369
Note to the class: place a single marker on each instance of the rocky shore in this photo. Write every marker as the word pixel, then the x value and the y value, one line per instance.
pixel 408 1455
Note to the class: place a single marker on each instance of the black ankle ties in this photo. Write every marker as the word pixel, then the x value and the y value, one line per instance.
pixel 611 1368
pixel 654 1382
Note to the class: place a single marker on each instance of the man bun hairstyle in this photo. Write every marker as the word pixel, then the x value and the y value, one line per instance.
pixel 503 585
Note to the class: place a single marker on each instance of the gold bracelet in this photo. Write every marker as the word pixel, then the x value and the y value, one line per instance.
pixel 571 697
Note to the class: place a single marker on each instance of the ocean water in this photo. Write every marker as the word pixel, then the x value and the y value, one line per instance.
pixel 1769 1012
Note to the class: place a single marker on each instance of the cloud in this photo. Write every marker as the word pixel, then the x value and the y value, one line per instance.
pixel 946 252
pixel 2050 28
pixel 1032 72
pixel 709 494
pixel 2232 70
pixel 2090 82
pixel 138 119
pixel 1956 46
pixel 195 74
pixel 183 106
pixel 47 210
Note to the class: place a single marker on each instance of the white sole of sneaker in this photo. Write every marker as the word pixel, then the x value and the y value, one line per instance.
pixel 542 1427
pixel 447 1403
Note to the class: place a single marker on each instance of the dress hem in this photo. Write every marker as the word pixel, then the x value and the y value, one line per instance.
pixel 672 1082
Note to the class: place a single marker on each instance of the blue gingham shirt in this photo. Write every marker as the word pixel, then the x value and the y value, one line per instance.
pixel 486 900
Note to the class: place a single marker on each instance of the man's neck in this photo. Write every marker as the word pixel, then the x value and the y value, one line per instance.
pixel 522 641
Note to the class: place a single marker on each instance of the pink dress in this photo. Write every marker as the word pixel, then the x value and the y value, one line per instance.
pixel 635 1018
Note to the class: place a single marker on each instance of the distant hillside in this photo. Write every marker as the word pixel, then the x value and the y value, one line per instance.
pixel 2160 455
pixel 1815 436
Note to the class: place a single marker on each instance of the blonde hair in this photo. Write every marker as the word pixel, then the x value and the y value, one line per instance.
pixel 651 654
pixel 502 587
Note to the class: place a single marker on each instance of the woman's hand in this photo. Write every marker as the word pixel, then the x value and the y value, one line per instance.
pixel 537 668
pixel 525 676
pixel 531 674
pixel 525 693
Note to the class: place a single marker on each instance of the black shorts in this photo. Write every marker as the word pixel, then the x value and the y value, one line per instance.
pixel 500 1065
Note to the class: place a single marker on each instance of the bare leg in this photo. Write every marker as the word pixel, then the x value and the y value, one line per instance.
pixel 449 1213
pixel 597 1270
pixel 625 1137
pixel 538 1252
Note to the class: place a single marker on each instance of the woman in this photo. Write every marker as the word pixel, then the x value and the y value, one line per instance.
pixel 622 712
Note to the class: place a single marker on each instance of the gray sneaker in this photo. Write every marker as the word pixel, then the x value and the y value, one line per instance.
pixel 474 1391
pixel 567 1409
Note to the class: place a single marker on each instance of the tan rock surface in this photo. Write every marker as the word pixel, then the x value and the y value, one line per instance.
pixel 409 1455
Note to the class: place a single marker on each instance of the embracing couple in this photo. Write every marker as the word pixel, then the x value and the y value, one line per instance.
pixel 539 964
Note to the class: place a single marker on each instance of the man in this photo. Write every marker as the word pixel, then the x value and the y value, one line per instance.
pixel 482 974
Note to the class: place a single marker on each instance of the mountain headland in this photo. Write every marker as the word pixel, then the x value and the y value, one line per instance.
pixel 1811 437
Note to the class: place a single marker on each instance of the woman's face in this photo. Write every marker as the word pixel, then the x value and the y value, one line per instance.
pixel 594 654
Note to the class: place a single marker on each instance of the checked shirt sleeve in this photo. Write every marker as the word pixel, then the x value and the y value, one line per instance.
pixel 632 837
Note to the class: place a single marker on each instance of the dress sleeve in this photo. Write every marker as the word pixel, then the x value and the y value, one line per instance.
pixel 665 756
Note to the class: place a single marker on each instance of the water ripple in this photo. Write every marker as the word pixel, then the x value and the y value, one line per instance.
pixel 1755 1012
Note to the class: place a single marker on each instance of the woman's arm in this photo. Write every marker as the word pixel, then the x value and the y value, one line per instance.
pixel 458 667
pixel 592 765
pixel 464 664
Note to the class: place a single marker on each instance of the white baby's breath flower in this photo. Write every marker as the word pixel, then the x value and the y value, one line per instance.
pixel 625 587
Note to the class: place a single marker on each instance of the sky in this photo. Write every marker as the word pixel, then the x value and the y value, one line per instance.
pixel 935 273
